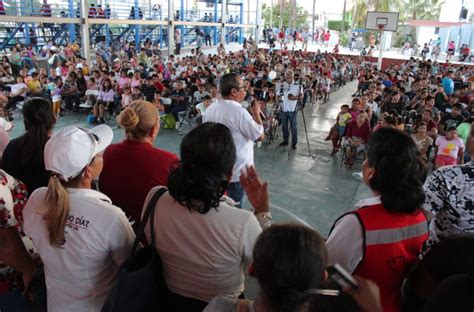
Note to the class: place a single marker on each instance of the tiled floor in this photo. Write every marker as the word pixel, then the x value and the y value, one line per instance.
pixel 312 189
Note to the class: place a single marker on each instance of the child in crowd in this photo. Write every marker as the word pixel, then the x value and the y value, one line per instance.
pixel 91 84
pixel 449 149
pixel 157 102
pixel 137 94
pixel 126 97
pixel 201 107
pixel 56 97
pixel 337 131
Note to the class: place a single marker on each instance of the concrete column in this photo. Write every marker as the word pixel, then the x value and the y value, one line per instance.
pixel 170 27
pixel 224 20
pixel 85 32
pixel 258 21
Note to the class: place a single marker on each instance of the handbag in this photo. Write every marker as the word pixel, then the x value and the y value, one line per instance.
pixel 140 280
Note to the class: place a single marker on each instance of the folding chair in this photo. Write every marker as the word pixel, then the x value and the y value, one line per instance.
pixel 359 157
pixel 188 117
pixel 87 106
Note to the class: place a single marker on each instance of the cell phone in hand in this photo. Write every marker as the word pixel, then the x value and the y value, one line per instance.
pixel 341 277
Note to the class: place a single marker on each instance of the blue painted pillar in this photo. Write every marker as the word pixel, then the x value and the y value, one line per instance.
pixel 72 27
pixel 161 28
pixel 181 18
pixel 215 21
pixel 241 37
pixel 137 27
pixel 107 34
pixel 26 30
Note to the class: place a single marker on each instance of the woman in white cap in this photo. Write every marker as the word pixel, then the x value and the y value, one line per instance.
pixel 81 237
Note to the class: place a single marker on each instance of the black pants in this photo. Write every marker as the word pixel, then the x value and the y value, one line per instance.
pixel 13 101
pixel 178 48
pixel 208 40
pixel 71 102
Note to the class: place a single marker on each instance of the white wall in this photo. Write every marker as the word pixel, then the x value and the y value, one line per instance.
pixel 450 11
pixel 424 34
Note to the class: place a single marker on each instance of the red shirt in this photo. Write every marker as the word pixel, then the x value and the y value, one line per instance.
pixel 131 170
pixel 363 132
pixel 159 86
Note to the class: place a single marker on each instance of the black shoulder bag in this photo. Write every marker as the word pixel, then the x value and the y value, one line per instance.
pixel 140 280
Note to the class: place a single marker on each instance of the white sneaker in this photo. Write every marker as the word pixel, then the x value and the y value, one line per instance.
pixel 178 124
pixel 358 176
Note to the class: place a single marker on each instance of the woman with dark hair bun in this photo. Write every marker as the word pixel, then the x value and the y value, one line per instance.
pixel 23 156
pixel 382 239
pixel 204 241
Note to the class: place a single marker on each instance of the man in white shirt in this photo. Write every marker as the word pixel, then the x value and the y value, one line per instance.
pixel 290 99
pixel 245 128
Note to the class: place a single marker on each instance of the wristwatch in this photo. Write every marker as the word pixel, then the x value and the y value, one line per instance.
pixel 264 219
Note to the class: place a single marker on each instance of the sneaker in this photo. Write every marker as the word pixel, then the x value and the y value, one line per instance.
pixel 178 124
pixel 293 146
pixel 283 143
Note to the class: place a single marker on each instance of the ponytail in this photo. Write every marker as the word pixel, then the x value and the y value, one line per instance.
pixel 57 204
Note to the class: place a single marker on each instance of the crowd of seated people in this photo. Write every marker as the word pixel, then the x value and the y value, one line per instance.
pixel 62 229
pixel 433 102
pixel 126 75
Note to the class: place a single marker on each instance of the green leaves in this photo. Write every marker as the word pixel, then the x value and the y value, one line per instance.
pixel 286 18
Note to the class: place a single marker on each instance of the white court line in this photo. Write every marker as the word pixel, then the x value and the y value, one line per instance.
pixel 278 208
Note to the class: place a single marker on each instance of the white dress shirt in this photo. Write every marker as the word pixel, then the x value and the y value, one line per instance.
pixel 243 128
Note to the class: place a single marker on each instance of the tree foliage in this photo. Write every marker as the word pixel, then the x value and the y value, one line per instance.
pixel 336 25
pixel 301 16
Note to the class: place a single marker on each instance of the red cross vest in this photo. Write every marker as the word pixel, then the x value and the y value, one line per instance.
pixel 392 243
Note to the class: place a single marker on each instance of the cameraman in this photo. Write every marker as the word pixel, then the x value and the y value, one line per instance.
pixel 288 109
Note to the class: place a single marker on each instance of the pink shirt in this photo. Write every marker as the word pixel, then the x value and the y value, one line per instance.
pixel 135 83
pixel 449 148
pixel 123 82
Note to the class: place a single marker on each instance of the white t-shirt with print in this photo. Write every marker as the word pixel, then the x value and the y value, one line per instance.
pixel 81 273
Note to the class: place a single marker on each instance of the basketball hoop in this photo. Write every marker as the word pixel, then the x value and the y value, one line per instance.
pixel 381 26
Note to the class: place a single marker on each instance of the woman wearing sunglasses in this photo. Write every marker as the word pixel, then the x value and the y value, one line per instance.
pixel 81 237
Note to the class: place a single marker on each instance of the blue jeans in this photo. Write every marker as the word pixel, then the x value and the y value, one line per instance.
pixel 14 301
pixel 289 118
pixel 467 157
pixel 235 191
pixel 176 110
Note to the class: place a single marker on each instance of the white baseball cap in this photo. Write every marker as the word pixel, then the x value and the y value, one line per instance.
pixel 73 148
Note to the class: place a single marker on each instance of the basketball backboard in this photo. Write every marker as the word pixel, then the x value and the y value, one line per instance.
pixel 388 21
